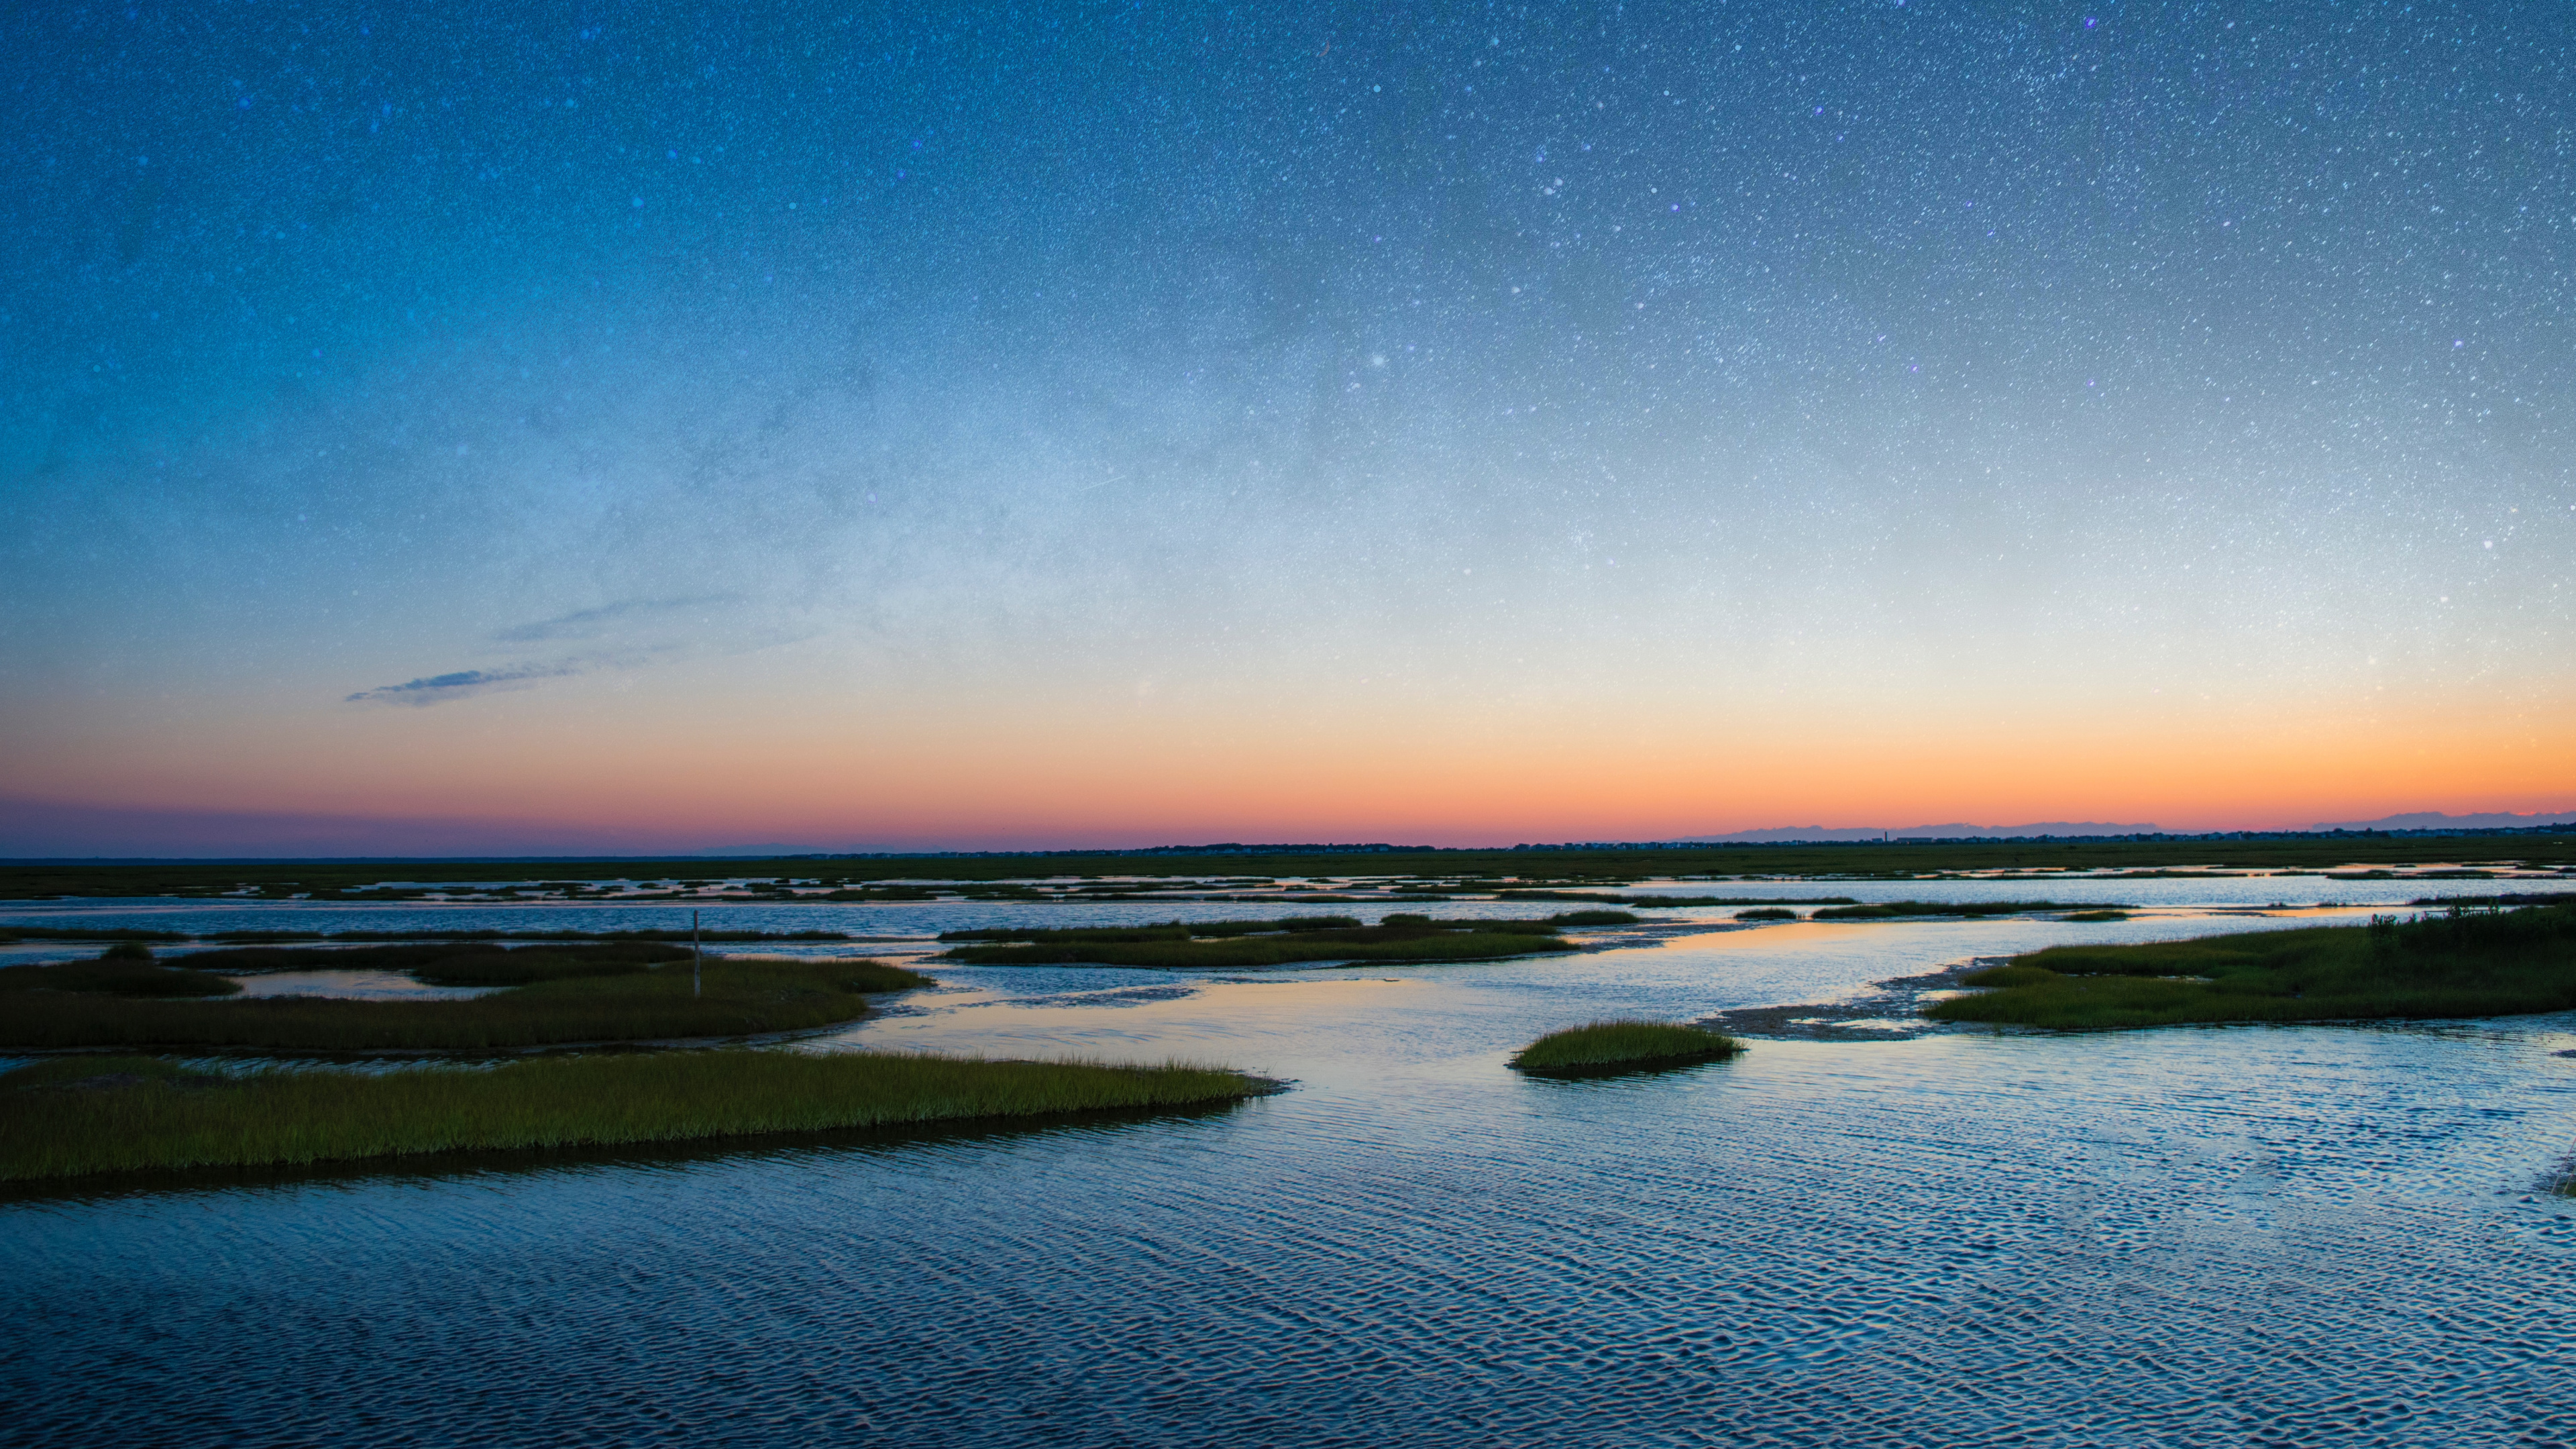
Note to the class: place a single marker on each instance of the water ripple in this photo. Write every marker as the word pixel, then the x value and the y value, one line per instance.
pixel 2247 1236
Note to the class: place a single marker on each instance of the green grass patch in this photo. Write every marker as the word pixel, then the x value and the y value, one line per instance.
pixel 1398 938
pixel 1623 1043
pixel 2484 964
pixel 1891 910
pixel 75 1117
pixel 742 998
pixel 1767 913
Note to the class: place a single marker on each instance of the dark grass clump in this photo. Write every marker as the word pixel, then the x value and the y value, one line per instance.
pixel 2097 916
pixel 90 1115
pixel 1623 1043
pixel 741 998
pixel 127 970
pixel 1890 910
pixel 14 934
pixel 1397 938
pixel 1767 913
pixel 452 963
pixel 2462 964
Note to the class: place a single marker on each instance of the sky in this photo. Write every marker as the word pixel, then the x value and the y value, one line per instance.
pixel 537 427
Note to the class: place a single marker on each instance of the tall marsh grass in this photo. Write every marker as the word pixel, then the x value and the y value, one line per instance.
pixel 1623 1043
pixel 2460 964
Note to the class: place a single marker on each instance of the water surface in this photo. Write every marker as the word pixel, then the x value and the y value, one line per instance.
pixel 2247 1235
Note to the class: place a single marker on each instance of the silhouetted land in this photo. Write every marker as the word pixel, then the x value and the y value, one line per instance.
pixel 83 1115
pixel 2498 963
pixel 1623 1043
pixel 1539 868
pixel 601 994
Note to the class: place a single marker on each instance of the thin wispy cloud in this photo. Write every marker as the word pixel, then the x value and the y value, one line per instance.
pixel 630 626
pixel 590 623
pixel 464 683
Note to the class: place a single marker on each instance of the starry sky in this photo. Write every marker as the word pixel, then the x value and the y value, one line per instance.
pixel 580 426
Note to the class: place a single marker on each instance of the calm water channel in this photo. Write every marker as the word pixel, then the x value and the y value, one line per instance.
pixel 2317 1235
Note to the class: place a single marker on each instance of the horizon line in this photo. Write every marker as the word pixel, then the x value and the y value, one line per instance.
pixel 1303 848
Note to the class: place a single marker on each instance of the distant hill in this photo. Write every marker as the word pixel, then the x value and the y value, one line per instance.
pixel 2436 820
pixel 1956 831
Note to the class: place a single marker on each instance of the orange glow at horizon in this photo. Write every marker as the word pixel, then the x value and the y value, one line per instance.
pixel 1456 777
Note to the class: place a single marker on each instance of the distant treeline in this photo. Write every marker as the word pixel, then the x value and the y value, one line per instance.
pixel 1585 865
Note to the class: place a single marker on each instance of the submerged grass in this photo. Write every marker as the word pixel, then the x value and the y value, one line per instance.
pixel 77 1117
pixel 1623 1043
pixel 742 998
pixel 2499 964
pixel 1178 947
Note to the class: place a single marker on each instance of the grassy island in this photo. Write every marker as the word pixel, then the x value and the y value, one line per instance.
pixel 78 1116
pixel 1623 1044
pixel 1180 945
pixel 549 995
pixel 2499 963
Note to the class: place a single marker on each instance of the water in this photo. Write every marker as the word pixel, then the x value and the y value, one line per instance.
pixel 2317 1235
pixel 352 985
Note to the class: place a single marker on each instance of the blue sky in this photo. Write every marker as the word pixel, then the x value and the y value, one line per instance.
pixel 392 398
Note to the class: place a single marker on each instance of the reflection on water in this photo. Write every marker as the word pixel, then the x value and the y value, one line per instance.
pixel 2248 1235
pixel 352 985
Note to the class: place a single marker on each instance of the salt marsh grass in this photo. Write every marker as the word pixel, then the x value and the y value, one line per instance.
pixel 2463 964
pixel 79 1116
pixel 1623 1043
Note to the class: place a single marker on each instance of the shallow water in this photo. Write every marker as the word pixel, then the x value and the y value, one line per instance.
pixel 924 919
pixel 353 986
pixel 2222 1236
